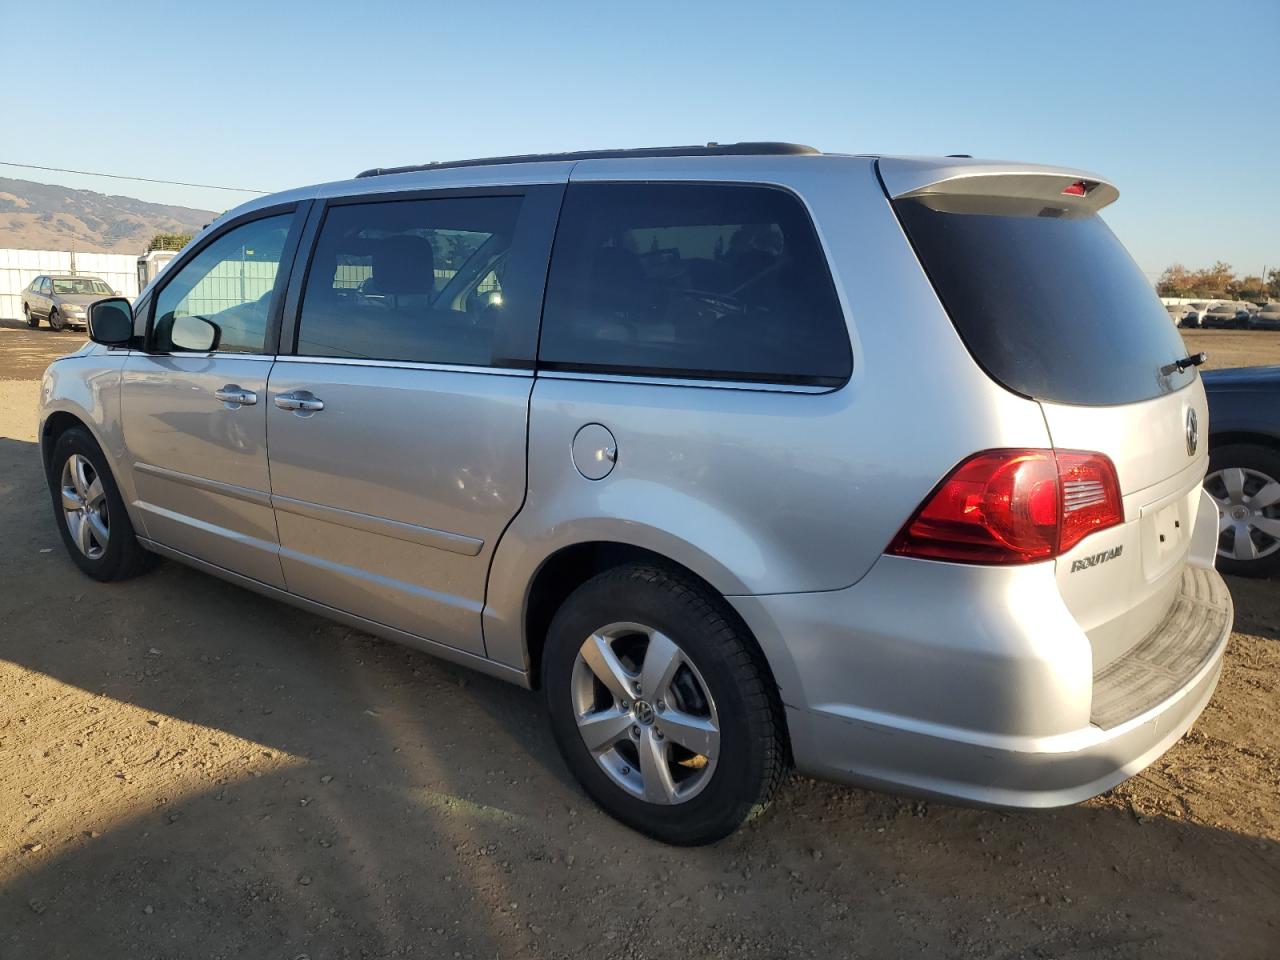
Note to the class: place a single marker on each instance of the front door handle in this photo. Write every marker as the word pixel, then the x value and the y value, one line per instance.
pixel 236 396
pixel 299 400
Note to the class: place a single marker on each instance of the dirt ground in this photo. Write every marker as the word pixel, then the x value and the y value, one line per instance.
pixel 1234 348
pixel 189 770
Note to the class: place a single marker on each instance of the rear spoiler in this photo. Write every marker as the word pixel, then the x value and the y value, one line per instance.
pixel 918 177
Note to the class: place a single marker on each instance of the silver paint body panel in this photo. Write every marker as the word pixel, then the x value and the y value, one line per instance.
pixel 423 500
pixel 200 465
pixel 1119 601
pixel 390 500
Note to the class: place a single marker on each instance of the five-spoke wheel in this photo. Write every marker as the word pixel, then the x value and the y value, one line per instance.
pixel 90 511
pixel 645 713
pixel 84 506
pixel 662 705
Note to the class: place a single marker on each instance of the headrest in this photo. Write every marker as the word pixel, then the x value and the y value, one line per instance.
pixel 404 264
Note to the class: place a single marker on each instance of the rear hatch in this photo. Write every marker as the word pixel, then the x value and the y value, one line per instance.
pixel 1051 305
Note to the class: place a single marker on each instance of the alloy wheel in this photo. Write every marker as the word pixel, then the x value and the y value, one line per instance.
pixel 84 506
pixel 1248 512
pixel 645 713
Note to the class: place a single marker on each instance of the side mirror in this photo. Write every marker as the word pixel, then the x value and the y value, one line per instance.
pixel 195 334
pixel 111 322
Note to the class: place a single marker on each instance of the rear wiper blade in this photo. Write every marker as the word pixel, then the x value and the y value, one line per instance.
pixel 1191 360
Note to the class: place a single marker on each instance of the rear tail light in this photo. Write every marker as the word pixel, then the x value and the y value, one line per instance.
pixel 1014 506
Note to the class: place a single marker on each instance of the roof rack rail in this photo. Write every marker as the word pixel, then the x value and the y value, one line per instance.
pixel 745 149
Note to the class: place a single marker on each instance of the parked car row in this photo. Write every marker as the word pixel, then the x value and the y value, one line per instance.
pixel 1225 315
pixel 62 301
pixel 1267 317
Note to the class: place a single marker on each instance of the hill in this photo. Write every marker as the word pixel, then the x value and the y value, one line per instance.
pixel 41 216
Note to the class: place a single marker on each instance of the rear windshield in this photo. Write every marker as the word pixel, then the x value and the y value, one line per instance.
pixel 1046 299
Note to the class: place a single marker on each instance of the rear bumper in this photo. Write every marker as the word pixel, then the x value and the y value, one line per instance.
pixel 1004 751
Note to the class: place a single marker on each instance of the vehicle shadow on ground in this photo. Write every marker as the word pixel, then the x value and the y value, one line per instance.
pixel 12 323
pixel 448 825
pixel 1253 615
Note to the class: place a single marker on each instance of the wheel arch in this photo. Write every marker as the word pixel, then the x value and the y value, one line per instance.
pixel 566 569
pixel 1255 438
pixel 55 425
pixel 67 416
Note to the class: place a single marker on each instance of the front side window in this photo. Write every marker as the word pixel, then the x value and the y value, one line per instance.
pixel 692 280
pixel 415 280
pixel 230 284
pixel 44 286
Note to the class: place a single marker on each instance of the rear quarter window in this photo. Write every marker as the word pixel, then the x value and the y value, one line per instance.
pixel 1046 299
pixel 692 280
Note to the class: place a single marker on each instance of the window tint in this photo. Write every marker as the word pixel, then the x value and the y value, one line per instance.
pixel 418 280
pixel 692 281
pixel 1047 300
pixel 229 283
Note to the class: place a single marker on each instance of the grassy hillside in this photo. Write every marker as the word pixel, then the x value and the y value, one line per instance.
pixel 40 216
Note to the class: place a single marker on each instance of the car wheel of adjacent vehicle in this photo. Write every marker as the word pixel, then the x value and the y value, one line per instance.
pixel 31 318
pixel 55 319
pixel 90 511
pixel 662 706
pixel 1244 481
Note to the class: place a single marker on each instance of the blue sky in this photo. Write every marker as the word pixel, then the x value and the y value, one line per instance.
pixel 1176 102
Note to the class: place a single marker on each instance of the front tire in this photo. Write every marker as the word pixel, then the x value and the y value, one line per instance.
pixel 90 512
pixel 55 319
pixel 662 706
pixel 1244 481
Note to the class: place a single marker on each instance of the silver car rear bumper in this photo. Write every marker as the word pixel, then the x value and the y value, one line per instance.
pixel 962 740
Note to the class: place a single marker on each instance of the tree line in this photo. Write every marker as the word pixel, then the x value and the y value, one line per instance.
pixel 1218 282
pixel 168 241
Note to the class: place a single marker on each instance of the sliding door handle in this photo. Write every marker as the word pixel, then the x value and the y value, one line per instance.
pixel 299 401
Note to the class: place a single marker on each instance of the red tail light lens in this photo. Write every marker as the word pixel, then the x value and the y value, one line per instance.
pixel 1014 506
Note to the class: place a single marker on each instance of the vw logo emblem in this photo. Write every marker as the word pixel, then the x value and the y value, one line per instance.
pixel 1193 433
pixel 643 713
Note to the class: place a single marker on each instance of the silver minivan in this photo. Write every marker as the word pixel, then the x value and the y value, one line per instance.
pixel 747 456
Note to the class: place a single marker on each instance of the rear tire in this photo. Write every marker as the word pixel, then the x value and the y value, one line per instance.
pixel 102 516
pixel 55 319
pixel 32 320
pixel 1238 476
pixel 642 772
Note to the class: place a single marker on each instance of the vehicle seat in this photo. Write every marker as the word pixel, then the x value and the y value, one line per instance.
pixel 620 296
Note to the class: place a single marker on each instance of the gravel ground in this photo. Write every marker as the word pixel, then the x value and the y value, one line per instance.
pixel 190 770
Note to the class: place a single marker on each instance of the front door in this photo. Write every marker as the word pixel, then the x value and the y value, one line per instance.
pixel 398 426
pixel 41 303
pixel 195 422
